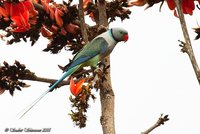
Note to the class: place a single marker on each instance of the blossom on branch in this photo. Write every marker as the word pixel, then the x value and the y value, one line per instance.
pixel 187 5
pixel 19 13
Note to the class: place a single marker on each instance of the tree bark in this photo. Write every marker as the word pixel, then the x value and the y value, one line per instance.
pixel 106 92
pixel 107 104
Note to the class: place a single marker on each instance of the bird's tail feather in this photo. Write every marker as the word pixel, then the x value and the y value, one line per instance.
pixel 28 108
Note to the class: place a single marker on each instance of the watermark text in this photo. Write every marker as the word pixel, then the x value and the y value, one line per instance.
pixel 29 130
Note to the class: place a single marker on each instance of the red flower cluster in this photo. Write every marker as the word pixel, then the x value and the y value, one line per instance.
pixel 56 13
pixel 20 13
pixel 187 5
pixel 76 88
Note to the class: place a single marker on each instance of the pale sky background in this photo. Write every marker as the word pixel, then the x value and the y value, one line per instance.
pixel 150 76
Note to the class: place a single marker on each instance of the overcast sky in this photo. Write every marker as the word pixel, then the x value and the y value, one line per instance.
pixel 149 74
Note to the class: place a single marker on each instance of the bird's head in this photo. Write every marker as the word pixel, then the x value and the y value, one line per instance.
pixel 119 34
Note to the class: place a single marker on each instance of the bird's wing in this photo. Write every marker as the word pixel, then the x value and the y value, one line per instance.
pixel 95 47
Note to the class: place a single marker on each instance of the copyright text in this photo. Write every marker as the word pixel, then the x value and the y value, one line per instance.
pixel 41 130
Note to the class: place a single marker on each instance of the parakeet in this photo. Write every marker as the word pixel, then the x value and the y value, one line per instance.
pixel 90 55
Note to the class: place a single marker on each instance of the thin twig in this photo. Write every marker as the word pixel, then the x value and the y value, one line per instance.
pixel 187 45
pixel 51 81
pixel 47 80
pixel 161 120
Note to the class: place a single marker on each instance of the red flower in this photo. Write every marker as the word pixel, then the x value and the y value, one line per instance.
pixel 19 13
pixel 71 28
pixel 58 17
pixel 49 9
pixel 76 88
pixel 5 11
pixel 46 33
pixel 187 6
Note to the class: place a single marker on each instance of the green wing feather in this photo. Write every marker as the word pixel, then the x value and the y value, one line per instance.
pixel 90 52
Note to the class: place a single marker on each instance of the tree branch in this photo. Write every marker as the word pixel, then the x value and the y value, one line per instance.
pixel 187 46
pixel 161 120
pixel 33 77
pixel 82 22
pixel 106 92
pixel 47 80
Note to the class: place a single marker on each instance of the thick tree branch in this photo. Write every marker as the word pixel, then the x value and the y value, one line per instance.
pixel 107 103
pixel 106 92
pixel 161 120
pixel 187 46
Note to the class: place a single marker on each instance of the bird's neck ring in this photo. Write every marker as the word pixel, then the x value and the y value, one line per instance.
pixel 111 32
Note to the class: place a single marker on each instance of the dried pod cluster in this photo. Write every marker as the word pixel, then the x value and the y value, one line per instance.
pixel 118 9
pixel 115 9
pixel 80 106
pixel 197 31
pixel 11 77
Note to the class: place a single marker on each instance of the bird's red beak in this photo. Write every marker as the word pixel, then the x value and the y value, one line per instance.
pixel 125 37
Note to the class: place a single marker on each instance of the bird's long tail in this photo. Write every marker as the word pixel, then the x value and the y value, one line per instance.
pixel 66 74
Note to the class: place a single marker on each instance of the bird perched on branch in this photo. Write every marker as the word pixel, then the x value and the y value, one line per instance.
pixel 90 55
